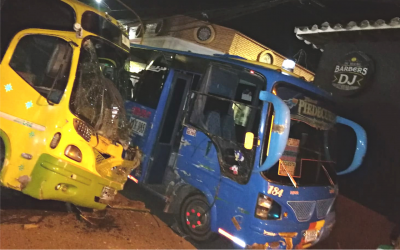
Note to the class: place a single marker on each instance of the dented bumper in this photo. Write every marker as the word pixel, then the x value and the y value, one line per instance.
pixel 55 179
pixel 295 239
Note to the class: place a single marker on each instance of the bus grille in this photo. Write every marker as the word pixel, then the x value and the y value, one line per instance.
pixel 323 207
pixel 99 156
pixel 302 209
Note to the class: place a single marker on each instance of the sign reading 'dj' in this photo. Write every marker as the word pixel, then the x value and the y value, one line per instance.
pixel 353 72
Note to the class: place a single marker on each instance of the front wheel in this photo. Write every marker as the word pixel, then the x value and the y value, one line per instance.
pixel 195 218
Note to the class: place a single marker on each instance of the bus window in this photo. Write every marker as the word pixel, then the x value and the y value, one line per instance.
pixel 310 155
pixel 226 107
pixel 34 59
pixel 149 70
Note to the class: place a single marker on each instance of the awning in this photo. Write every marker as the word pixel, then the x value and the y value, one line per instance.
pixel 377 30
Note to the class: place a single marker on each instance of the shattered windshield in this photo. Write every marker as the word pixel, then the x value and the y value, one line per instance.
pixel 310 153
pixel 95 97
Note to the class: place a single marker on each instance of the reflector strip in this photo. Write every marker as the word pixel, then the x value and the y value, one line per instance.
pixel 22 122
pixel 232 238
pixel 133 178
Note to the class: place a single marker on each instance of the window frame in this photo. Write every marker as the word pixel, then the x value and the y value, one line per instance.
pixel 260 86
pixel 14 46
pixel 268 125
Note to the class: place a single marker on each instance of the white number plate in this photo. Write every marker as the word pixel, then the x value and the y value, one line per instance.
pixel 311 235
pixel 139 126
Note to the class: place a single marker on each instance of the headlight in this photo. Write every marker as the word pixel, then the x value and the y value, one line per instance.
pixel 56 139
pixel 74 153
pixel 267 208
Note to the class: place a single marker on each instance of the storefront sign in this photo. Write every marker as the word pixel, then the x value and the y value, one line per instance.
pixel 352 73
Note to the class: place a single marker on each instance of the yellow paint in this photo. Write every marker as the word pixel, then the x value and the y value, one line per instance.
pixel 320 224
pixel 270 133
pixel 249 140
pixel 53 118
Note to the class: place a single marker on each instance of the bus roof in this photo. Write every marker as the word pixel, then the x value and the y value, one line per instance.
pixel 263 68
pixel 80 8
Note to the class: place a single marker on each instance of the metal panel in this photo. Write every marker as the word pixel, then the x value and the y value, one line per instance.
pixel 323 207
pixel 302 209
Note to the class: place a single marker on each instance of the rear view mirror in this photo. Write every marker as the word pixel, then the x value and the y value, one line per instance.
pixel 361 147
pixel 249 141
pixel 59 60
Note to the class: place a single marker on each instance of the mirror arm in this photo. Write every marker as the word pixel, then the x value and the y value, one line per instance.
pixel 361 146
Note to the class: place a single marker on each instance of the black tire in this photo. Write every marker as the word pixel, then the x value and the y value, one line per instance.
pixel 195 218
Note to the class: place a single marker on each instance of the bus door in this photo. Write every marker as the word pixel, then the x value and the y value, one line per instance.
pixel 146 96
pixel 212 157
pixel 167 143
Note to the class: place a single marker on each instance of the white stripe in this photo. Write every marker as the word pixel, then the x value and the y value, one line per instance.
pixel 22 122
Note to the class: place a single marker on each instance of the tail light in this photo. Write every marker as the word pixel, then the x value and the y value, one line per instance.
pixel 56 139
pixel 267 208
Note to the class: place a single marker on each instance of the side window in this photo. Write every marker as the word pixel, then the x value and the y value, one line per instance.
pixel 44 63
pixel 149 70
pixel 226 107
pixel 226 103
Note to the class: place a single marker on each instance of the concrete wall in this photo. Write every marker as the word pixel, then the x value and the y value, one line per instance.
pixel 377 108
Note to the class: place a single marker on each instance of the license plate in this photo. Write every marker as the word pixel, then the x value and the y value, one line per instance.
pixel 138 127
pixel 311 235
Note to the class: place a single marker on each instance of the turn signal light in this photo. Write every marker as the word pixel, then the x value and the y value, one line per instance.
pixel 56 139
pixel 74 153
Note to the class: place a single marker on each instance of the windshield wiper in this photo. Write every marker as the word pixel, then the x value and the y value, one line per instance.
pixel 328 175
pixel 290 176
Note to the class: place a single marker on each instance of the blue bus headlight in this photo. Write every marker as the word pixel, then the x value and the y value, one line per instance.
pixel 267 208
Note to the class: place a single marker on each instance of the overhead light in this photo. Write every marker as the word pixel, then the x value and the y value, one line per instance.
pixel 98 1
pixel 288 65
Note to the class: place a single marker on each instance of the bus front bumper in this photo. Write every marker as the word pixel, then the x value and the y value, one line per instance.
pixel 55 179
pixel 296 239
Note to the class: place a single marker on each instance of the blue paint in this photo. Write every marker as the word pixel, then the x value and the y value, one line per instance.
pixel 147 141
pixel 197 164
pixel 361 147
pixel 8 87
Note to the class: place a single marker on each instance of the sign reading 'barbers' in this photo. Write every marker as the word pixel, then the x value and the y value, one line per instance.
pixel 353 72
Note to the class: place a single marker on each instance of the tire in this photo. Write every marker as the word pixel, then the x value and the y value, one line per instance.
pixel 195 218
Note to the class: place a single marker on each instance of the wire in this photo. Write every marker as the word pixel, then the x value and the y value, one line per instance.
pixel 138 17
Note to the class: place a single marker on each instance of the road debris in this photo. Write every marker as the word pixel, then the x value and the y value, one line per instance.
pixel 30 226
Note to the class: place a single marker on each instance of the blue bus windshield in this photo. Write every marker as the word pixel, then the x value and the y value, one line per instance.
pixel 310 155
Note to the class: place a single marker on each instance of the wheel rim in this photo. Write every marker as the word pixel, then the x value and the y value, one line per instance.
pixel 197 218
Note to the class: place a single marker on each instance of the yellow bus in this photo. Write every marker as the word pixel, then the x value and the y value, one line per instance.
pixel 63 128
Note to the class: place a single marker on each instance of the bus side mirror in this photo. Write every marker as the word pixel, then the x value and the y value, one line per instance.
pixel 279 132
pixel 249 141
pixel 361 147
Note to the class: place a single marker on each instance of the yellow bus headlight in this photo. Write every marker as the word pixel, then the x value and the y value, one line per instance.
pixel 74 153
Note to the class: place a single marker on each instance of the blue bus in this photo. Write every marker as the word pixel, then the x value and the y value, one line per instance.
pixel 236 147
